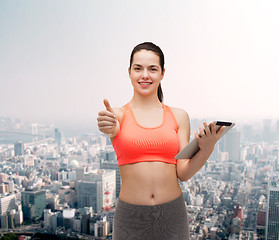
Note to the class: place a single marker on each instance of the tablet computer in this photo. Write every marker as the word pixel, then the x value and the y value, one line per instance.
pixel 193 147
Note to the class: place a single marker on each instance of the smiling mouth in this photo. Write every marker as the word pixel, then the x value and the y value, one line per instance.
pixel 145 83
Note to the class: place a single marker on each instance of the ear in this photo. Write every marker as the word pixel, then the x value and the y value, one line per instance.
pixel 129 71
pixel 163 74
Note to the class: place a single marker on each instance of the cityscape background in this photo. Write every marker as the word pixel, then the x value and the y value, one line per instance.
pixel 59 60
pixel 52 185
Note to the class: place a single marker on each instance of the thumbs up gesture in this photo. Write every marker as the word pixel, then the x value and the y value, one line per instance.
pixel 107 121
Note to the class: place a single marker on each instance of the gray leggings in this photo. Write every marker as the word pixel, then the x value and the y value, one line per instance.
pixel 167 221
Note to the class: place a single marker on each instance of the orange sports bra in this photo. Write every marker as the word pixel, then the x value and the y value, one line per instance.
pixel 135 143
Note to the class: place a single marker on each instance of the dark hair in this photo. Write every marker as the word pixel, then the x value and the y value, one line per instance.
pixel 149 46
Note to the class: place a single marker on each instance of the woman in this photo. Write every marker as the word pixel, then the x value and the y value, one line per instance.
pixel 146 135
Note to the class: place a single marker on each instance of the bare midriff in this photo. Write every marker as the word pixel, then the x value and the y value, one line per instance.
pixel 149 183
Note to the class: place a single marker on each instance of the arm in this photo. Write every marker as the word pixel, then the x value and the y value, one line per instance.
pixel 207 139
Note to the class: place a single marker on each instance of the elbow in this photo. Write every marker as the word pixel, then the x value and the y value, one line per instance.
pixel 182 170
pixel 183 178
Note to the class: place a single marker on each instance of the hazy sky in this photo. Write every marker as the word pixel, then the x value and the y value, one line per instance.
pixel 59 59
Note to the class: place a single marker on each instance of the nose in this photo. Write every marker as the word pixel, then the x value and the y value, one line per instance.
pixel 145 74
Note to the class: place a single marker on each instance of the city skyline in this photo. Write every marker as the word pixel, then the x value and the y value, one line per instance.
pixel 59 61
pixel 21 129
pixel 70 186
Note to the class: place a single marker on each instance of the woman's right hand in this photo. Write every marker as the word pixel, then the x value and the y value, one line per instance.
pixel 107 121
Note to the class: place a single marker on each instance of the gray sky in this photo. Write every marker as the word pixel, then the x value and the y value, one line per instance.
pixel 59 59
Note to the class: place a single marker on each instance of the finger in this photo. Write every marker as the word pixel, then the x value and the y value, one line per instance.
pixel 196 134
pixel 206 128
pixel 105 128
pixel 201 130
pixel 105 123
pixel 108 107
pixel 220 131
pixel 106 118
pixel 107 113
pixel 212 127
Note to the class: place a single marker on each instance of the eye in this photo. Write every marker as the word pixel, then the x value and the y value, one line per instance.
pixel 136 68
pixel 153 69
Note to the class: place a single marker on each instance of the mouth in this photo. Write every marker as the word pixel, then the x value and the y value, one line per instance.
pixel 145 83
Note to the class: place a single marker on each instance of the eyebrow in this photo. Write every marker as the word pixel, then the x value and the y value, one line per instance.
pixel 136 65
pixel 151 66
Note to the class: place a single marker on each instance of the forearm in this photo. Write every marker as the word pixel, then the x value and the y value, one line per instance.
pixel 186 168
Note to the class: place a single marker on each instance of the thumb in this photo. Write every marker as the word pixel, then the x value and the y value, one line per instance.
pixel 221 130
pixel 108 107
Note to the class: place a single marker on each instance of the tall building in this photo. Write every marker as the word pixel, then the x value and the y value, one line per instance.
pixel 19 148
pixel 58 136
pixel 85 218
pixel 50 220
pixel 272 213
pixel 7 203
pixel 97 190
pixel 108 160
pixel 101 228
pixel 261 215
pixel 113 166
pixel 68 218
pixel 29 160
pixel 33 203
pixel 4 221
pixel 231 143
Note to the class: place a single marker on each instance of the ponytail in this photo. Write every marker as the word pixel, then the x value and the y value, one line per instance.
pixel 160 93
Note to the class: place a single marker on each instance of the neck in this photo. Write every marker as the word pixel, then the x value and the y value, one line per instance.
pixel 151 101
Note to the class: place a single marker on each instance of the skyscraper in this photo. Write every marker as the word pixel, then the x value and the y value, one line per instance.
pixel 58 136
pixel 272 215
pixel 108 160
pixel 231 143
pixel 33 203
pixel 96 190
pixel 113 166
pixel 19 148
pixel 7 203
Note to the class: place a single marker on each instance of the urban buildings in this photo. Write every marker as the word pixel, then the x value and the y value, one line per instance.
pixel 72 188
pixel 97 190
pixel 19 148
pixel 33 203
pixel 272 215
pixel 7 203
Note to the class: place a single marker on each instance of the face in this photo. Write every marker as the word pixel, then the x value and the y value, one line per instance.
pixel 145 72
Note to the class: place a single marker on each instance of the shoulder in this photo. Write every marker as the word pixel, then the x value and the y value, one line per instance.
pixel 181 116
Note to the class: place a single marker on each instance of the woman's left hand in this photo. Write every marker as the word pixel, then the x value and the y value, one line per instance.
pixel 208 136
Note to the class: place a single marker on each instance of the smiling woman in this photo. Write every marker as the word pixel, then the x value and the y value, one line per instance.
pixel 151 54
pixel 146 135
pixel 144 74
